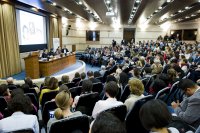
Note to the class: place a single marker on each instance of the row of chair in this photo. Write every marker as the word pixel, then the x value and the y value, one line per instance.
pixel 131 119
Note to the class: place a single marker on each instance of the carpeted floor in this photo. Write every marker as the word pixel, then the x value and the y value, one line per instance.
pixel 22 75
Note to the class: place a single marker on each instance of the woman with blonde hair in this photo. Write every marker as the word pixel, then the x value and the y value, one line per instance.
pixel 63 101
pixel 137 89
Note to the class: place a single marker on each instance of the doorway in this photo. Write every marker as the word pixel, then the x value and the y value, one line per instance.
pixel 129 34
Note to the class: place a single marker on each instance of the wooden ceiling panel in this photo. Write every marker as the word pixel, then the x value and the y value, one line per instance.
pixel 122 8
pixel 125 8
pixel 100 8
pixel 75 8
pixel 146 8
pixel 172 8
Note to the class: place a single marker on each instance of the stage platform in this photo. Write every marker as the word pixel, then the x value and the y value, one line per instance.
pixel 79 66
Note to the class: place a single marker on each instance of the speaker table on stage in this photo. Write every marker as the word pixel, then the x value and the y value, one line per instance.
pixel 32 66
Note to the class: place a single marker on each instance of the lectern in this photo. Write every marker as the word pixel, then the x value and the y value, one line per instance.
pixel 32 66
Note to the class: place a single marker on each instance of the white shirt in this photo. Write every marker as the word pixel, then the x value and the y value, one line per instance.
pixel 18 121
pixel 102 105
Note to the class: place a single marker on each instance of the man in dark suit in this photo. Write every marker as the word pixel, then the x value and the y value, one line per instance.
pixel 51 53
pixel 64 50
pixel 45 53
pixel 188 109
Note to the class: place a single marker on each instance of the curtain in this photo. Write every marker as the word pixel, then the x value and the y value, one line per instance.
pixel 9 47
pixel 53 31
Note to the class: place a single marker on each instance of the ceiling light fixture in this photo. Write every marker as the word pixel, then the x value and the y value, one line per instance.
pixel 108 2
pixel 180 11
pixel 168 1
pixel 160 7
pixel 186 7
pixel 80 3
pixel 54 4
pixel 156 10
pixel 137 1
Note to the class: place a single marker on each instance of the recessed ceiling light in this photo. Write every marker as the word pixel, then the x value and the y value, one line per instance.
pixel 172 15
pixel 134 8
pixel 180 11
pixel 160 7
pixel 65 9
pixel 108 2
pixel 110 8
pixel 54 4
pixel 133 11
pixel 80 3
pixel 137 1
pixel 186 7
pixel 34 9
pixel 156 10
pixel 168 1
pixel 193 15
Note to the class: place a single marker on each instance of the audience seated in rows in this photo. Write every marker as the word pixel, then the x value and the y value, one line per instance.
pixel 20 119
